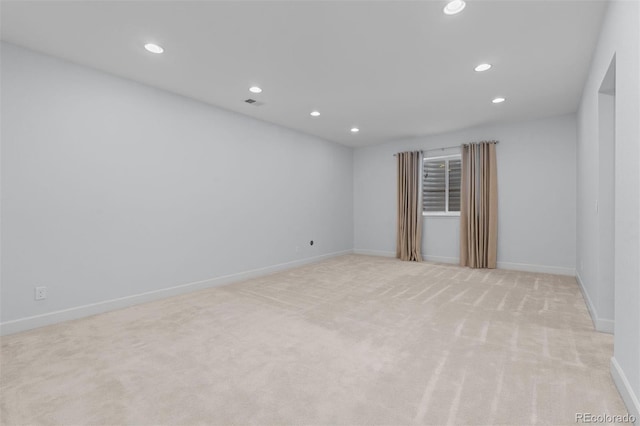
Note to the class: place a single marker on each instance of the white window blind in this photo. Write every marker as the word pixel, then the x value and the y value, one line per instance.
pixel 441 185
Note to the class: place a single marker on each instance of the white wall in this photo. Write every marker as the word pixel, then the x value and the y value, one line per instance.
pixel 536 195
pixel 620 36
pixel 112 189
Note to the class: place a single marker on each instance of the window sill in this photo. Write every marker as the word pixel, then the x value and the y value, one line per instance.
pixel 441 214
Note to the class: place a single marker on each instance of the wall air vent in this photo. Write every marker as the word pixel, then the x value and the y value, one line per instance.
pixel 253 102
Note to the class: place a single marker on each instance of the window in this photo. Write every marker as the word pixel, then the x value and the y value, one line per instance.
pixel 441 178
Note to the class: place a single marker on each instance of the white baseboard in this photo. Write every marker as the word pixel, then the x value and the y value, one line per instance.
pixel 526 267
pixel 382 253
pixel 375 252
pixel 442 259
pixel 28 323
pixel 600 324
pixel 626 392
pixel 605 325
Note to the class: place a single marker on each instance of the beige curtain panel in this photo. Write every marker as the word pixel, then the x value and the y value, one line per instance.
pixel 479 206
pixel 409 237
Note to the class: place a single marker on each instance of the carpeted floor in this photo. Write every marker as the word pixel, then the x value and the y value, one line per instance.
pixel 352 340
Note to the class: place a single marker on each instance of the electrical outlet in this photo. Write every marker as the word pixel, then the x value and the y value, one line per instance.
pixel 41 293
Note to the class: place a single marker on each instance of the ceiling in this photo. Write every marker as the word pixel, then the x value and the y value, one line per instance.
pixel 394 69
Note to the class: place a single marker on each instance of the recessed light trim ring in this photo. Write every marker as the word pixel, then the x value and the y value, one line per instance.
pixel 153 48
pixel 482 67
pixel 454 7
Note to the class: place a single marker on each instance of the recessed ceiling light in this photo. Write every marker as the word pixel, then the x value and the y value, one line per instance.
pixel 354 130
pixel 314 113
pixel 153 48
pixel 454 6
pixel 255 89
pixel 482 67
pixel 498 100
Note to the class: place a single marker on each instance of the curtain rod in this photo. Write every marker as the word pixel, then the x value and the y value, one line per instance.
pixel 449 147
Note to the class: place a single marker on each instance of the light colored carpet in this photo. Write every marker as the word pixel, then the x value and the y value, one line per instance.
pixel 351 340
